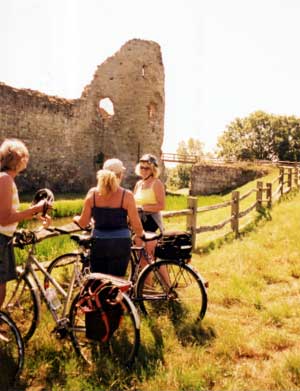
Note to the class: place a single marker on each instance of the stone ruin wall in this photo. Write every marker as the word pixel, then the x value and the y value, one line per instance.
pixel 209 179
pixel 66 137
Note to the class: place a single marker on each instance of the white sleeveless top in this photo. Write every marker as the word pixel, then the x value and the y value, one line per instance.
pixel 9 230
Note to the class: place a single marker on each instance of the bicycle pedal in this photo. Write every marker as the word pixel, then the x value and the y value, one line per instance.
pixel 60 332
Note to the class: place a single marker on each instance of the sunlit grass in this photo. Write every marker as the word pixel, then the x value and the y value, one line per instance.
pixel 248 340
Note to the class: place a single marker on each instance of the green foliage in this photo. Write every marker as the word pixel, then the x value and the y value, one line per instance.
pixel 261 136
pixel 179 177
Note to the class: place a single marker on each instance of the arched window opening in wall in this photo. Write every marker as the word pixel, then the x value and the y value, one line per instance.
pixel 106 108
pixel 99 160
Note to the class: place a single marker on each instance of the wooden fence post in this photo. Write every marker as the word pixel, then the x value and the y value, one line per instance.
pixel 269 195
pixel 235 209
pixel 290 176
pixel 191 220
pixel 281 179
pixel 259 195
pixel 297 176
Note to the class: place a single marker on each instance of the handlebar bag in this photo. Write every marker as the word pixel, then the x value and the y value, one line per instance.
pixel 174 245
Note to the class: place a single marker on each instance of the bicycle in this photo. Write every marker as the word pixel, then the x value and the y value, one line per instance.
pixel 24 305
pixel 176 288
pixel 11 351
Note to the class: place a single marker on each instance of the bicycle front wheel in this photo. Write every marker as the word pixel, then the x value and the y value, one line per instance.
pixel 172 288
pixel 122 346
pixel 61 268
pixel 23 305
pixel 11 352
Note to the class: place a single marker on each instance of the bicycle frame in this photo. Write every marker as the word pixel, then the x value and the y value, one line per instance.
pixel 139 253
pixel 29 270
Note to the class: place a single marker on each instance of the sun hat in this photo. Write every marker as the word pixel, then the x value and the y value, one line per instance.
pixel 148 158
pixel 114 165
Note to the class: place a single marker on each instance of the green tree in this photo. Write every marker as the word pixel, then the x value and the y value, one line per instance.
pixel 179 176
pixel 261 136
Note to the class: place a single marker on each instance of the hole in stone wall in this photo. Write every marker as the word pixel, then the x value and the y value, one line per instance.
pixel 106 108
pixel 99 160
pixel 143 70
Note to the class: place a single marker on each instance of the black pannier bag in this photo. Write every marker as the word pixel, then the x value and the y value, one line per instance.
pixel 174 245
pixel 102 304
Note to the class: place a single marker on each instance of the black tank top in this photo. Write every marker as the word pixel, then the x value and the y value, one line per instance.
pixel 110 218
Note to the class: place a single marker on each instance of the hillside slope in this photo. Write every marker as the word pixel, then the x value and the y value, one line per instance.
pixel 254 310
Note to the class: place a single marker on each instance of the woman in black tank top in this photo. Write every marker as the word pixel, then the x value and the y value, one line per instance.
pixel 109 207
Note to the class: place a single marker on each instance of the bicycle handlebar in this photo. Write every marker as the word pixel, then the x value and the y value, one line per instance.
pixel 151 236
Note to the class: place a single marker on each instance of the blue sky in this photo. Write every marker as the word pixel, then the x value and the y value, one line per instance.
pixel 223 59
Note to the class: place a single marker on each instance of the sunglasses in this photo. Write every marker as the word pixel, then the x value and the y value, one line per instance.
pixel 145 168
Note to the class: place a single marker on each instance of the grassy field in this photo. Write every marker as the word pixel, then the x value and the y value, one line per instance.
pixel 248 340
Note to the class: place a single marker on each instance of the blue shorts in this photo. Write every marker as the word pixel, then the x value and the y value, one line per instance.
pixel 7 259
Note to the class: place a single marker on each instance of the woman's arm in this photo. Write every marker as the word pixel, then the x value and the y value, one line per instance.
pixel 86 214
pixel 159 191
pixel 133 215
pixel 7 214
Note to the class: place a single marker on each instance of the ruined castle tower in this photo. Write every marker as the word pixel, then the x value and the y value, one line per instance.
pixel 69 139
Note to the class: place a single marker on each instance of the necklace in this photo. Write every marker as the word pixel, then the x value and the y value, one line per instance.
pixel 144 181
pixel 149 176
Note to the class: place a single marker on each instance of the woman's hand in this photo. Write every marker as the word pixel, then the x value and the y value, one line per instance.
pixel 41 207
pixel 46 220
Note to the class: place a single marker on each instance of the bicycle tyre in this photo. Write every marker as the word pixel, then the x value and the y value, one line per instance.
pixel 62 269
pixel 62 276
pixel 183 300
pixel 122 346
pixel 23 305
pixel 11 352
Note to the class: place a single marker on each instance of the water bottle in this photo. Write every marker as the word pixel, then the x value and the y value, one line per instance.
pixel 52 298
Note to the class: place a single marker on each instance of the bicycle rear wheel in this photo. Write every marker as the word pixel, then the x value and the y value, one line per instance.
pixel 172 288
pixel 23 305
pixel 121 348
pixel 11 352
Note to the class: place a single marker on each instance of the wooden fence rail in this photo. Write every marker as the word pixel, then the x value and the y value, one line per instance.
pixel 266 195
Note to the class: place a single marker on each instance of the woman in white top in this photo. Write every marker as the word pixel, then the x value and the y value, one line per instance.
pixel 14 158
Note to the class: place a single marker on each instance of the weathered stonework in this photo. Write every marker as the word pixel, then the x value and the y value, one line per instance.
pixel 68 139
pixel 214 179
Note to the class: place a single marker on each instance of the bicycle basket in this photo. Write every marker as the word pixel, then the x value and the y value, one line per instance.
pixel 174 245
pixel 102 304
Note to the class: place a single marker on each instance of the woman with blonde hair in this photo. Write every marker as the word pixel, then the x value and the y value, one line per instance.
pixel 14 158
pixel 108 206
pixel 149 194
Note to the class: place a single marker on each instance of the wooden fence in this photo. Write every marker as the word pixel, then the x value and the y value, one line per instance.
pixel 266 195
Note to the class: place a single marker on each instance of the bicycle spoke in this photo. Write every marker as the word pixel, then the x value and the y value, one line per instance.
pixel 168 288
pixel 122 345
pixel 62 269
pixel 23 305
